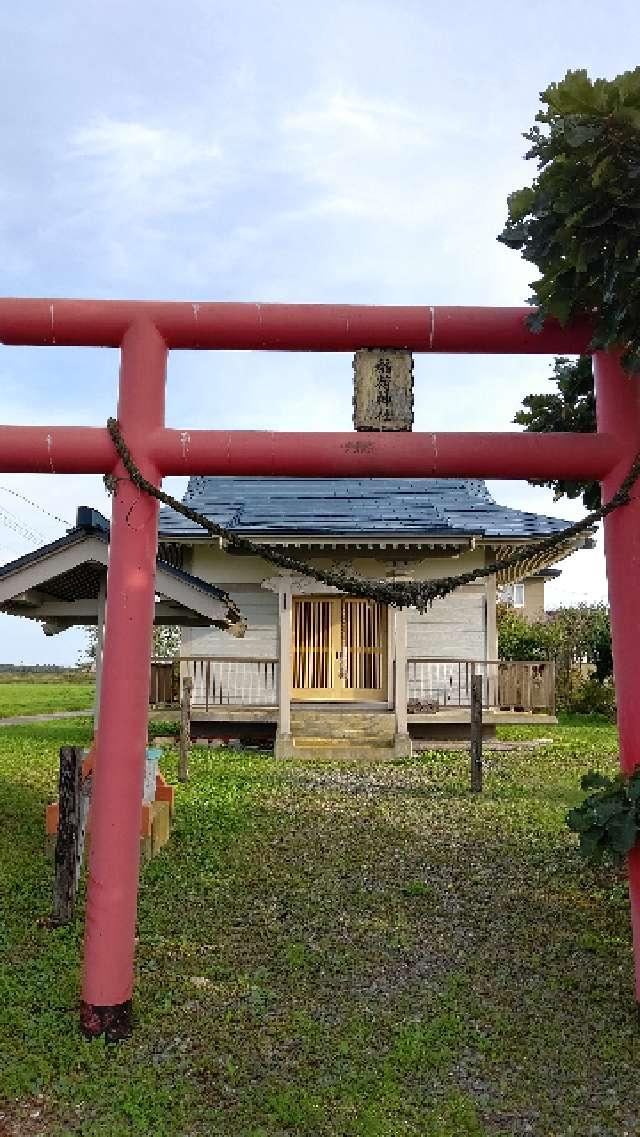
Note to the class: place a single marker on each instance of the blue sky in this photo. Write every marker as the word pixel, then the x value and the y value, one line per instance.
pixel 356 152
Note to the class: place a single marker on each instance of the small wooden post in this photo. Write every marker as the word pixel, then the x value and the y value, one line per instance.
pixel 476 734
pixel 185 729
pixel 66 856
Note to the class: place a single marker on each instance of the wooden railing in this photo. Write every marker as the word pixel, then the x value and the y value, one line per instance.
pixel 164 684
pixel 432 684
pixel 226 680
pixel 435 684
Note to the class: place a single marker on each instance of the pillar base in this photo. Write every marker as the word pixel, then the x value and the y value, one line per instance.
pixel 402 746
pixel 283 746
pixel 115 1023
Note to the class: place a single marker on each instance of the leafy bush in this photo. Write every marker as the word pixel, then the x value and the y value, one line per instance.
pixel 589 697
pixel 519 638
pixel 584 635
pixel 571 637
pixel 609 818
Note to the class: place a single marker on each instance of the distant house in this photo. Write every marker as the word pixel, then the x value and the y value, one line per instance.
pixel 316 666
pixel 527 596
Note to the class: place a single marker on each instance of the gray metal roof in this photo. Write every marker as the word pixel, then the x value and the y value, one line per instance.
pixel 430 507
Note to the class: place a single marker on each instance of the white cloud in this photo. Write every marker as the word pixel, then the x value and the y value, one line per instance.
pixel 403 194
pixel 368 158
pixel 153 170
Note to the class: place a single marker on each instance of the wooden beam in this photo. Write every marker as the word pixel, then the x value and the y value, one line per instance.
pixel 66 855
pixel 72 612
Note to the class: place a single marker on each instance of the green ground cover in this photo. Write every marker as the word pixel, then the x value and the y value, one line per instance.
pixel 334 950
pixel 42 697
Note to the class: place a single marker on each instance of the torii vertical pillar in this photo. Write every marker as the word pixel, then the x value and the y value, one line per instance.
pixel 618 410
pixel 124 702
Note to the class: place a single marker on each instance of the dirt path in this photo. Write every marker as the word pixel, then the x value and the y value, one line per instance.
pixel 17 720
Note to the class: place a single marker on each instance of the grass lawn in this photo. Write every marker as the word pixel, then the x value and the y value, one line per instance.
pixel 334 950
pixel 42 697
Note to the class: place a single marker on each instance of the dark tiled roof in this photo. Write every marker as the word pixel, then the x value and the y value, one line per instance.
pixel 70 538
pixel 435 507
pixel 77 583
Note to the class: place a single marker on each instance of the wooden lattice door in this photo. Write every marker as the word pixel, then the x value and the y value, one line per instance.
pixel 339 649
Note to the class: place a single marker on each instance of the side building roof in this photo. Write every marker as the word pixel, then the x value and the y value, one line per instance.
pixel 60 583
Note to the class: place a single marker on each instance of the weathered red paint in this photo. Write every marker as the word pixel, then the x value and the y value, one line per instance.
pixel 122 739
pixel 618 410
pixel 55 450
pixel 415 454
pixel 145 331
pixel 67 449
pixel 287 327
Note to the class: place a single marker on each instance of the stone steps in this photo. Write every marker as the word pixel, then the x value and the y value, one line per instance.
pixel 330 750
pixel 361 727
pixel 321 732
pixel 319 743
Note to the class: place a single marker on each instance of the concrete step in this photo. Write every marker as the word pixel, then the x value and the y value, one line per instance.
pixel 345 751
pixel 347 736
pixel 342 724
pixel 343 743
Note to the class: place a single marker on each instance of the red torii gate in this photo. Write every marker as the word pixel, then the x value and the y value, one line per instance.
pixel 145 332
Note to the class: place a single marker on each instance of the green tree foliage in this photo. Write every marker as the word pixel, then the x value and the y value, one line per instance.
pixel 520 639
pixel 602 651
pixel 165 645
pixel 570 636
pixel 571 408
pixel 578 220
pixel 584 635
pixel 166 642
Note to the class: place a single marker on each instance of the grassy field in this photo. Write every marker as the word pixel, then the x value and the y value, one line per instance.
pixel 24 697
pixel 334 950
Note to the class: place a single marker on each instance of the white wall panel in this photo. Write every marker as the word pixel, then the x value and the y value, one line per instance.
pixel 260 609
pixel 453 628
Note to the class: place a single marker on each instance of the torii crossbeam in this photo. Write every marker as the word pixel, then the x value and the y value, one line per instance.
pixel 145 332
